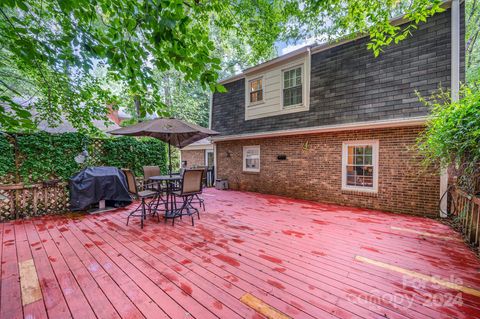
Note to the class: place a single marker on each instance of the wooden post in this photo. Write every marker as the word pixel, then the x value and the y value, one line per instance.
pixel 45 198
pixel 17 176
pixel 35 199
pixel 477 203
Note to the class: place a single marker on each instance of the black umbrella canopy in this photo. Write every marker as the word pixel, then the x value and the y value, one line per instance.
pixel 170 130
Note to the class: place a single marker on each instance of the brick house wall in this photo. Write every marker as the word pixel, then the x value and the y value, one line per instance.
pixel 314 172
pixel 193 157
pixel 348 85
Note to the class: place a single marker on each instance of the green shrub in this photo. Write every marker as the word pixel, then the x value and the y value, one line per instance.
pixel 133 153
pixel 452 134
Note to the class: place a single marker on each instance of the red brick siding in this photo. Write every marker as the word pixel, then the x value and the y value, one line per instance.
pixel 194 157
pixel 314 164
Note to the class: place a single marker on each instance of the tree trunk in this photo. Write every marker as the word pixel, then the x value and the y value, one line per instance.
pixel 138 106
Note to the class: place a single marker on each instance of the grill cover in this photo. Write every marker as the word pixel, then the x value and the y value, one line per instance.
pixel 94 184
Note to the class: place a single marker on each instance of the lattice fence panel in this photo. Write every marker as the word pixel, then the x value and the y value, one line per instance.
pixel 7 179
pixel 7 204
pixel 95 152
pixel 19 201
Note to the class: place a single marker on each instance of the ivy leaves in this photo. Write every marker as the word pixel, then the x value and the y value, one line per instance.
pixel 46 156
pixel 7 159
pixel 43 156
pixel 133 153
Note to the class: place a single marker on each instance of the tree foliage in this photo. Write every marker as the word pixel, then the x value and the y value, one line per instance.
pixel 453 134
pixel 185 101
pixel 49 48
pixel 343 19
pixel 472 40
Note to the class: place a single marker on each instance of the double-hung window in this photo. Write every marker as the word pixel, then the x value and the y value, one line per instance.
pixel 360 166
pixel 251 158
pixel 256 91
pixel 292 87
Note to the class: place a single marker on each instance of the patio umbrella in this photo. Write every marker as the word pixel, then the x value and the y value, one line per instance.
pixel 170 130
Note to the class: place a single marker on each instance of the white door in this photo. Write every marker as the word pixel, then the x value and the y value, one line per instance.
pixel 209 158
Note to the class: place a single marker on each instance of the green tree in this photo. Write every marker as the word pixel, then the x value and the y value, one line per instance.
pixel 472 41
pixel 53 46
pixel 186 101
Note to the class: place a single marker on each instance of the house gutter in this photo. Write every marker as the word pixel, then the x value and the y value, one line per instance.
pixel 414 121
pixel 202 147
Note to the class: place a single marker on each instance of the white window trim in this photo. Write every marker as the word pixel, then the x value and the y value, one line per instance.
pixel 304 79
pixel 245 148
pixel 375 151
pixel 247 91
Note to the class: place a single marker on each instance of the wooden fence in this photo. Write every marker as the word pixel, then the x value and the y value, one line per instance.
pixel 466 212
pixel 19 200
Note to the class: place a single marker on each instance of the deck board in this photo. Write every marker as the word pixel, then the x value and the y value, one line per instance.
pixel 299 258
pixel 55 302
pixel 11 298
pixel 336 270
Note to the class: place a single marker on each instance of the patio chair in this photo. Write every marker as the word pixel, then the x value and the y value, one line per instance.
pixel 149 171
pixel 191 186
pixel 176 186
pixel 142 195
pixel 204 176
pixel 198 199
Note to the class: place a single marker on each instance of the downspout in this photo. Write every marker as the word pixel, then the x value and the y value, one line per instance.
pixel 210 111
pixel 308 73
pixel 455 76
pixel 454 89
pixel 214 145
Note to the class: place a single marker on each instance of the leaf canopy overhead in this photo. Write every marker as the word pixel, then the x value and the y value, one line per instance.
pixel 51 49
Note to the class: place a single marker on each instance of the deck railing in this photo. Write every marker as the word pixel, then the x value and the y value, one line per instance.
pixel 465 209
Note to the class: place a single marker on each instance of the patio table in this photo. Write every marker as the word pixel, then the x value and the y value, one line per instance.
pixel 169 180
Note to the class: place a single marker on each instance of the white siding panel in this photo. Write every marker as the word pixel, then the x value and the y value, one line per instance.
pixel 272 90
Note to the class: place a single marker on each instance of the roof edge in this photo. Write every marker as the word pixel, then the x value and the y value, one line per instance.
pixel 202 147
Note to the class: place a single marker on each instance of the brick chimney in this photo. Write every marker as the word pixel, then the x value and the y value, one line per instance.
pixel 113 115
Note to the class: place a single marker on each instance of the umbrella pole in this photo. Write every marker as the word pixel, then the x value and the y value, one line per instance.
pixel 169 159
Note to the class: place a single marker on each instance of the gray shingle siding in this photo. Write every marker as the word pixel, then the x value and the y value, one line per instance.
pixel 348 84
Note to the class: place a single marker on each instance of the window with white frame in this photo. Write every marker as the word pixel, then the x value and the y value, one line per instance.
pixel 256 90
pixel 251 158
pixel 360 166
pixel 292 87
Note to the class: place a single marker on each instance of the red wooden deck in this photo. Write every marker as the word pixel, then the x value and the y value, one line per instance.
pixel 302 259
